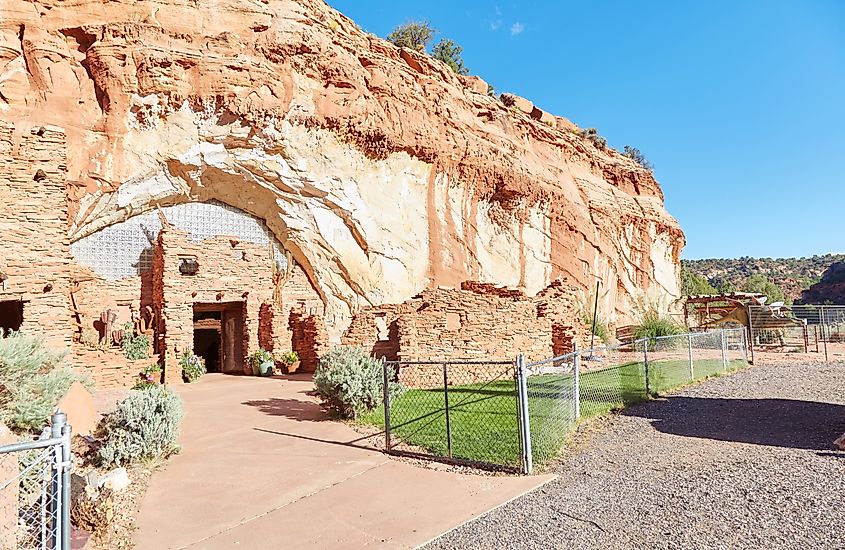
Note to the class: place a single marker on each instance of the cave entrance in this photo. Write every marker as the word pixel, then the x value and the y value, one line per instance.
pixel 218 336
pixel 11 316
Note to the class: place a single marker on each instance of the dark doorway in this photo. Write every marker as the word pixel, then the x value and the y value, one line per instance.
pixel 218 336
pixel 11 316
pixel 207 346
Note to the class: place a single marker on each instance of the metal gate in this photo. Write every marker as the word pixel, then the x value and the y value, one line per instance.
pixel 35 490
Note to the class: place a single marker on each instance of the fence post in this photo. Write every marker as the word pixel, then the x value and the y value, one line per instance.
pixel 523 414
pixel 60 489
pixel 743 342
pixel 645 362
pixel 691 365
pixel 386 405
pixel 824 332
pixel 750 332
pixel 448 420
pixel 577 381
pixel 724 350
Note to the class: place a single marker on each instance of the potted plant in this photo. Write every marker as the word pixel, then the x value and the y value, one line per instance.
pixel 193 366
pixel 262 363
pixel 290 360
pixel 148 378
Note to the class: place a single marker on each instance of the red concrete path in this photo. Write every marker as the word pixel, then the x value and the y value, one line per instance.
pixel 263 467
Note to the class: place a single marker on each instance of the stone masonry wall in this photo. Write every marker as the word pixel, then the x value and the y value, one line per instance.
pixel 229 271
pixel 34 256
pixel 478 321
pixel 310 339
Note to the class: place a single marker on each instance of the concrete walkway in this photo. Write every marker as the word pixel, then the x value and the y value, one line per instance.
pixel 263 467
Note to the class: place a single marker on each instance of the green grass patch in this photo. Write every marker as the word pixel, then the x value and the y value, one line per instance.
pixel 483 417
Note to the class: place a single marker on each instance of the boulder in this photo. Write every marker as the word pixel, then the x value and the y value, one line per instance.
pixel 9 495
pixel 511 100
pixel 117 480
pixel 543 116
pixel 476 84
pixel 78 404
pixel 564 124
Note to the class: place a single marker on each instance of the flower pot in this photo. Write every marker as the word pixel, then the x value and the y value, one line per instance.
pixel 266 368
pixel 292 367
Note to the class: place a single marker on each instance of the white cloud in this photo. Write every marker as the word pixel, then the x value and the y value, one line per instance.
pixel 517 28
pixel 495 25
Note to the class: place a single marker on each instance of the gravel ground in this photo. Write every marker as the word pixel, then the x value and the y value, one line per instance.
pixel 742 461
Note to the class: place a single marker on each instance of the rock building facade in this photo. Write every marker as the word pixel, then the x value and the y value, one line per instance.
pixel 311 173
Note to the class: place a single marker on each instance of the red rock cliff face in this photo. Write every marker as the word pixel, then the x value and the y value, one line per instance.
pixel 383 172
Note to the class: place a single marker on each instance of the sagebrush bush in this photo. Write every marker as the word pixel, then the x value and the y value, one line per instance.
pixel 31 381
pixel 145 425
pixel 351 382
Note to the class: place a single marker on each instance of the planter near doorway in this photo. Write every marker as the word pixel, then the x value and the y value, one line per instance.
pixel 262 363
pixel 290 361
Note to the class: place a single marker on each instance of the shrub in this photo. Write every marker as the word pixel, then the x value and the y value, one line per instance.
pixel 637 156
pixel 414 35
pixel 148 378
pixel 31 381
pixel 350 382
pixel 450 53
pixel 600 330
pixel 654 325
pixel 193 366
pixel 592 134
pixel 144 426
pixel 135 346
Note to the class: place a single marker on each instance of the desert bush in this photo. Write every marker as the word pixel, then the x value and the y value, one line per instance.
pixel 600 329
pixel 145 425
pixel 31 381
pixel 637 156
pixel 414 35
pixel 592 134
pixel 135 346
pixel 450 53
pixel 350 382
pixel 193 366
pixel 654 325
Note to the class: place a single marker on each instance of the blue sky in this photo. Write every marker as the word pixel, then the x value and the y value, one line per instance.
pixel 740 105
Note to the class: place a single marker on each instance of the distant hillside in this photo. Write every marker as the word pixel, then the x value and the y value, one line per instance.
pixel 792 275
pixel 831 289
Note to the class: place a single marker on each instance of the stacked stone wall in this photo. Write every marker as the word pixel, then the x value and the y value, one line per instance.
pixel 310 339
pixel 479 322
pixel 35 256
pixel 228 272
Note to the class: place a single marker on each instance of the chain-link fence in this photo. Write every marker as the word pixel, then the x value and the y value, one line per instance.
pixel 510 414
pixel 816 329
pixel 587 383
pixel 459 410
pixel 35 491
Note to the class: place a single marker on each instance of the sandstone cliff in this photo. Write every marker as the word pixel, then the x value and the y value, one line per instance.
pixel 380 170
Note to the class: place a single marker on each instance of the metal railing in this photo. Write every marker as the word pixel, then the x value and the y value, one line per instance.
pixel 816 329
pixel 35 490
pixel 514 414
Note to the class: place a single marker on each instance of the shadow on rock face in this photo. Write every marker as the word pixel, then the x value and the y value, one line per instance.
pixel 773 422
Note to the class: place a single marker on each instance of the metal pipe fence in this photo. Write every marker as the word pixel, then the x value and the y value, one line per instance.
pixel 515 415
pixel 813 329
pixel 35 490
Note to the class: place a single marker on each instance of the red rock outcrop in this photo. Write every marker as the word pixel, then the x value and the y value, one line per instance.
pixel 379 169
